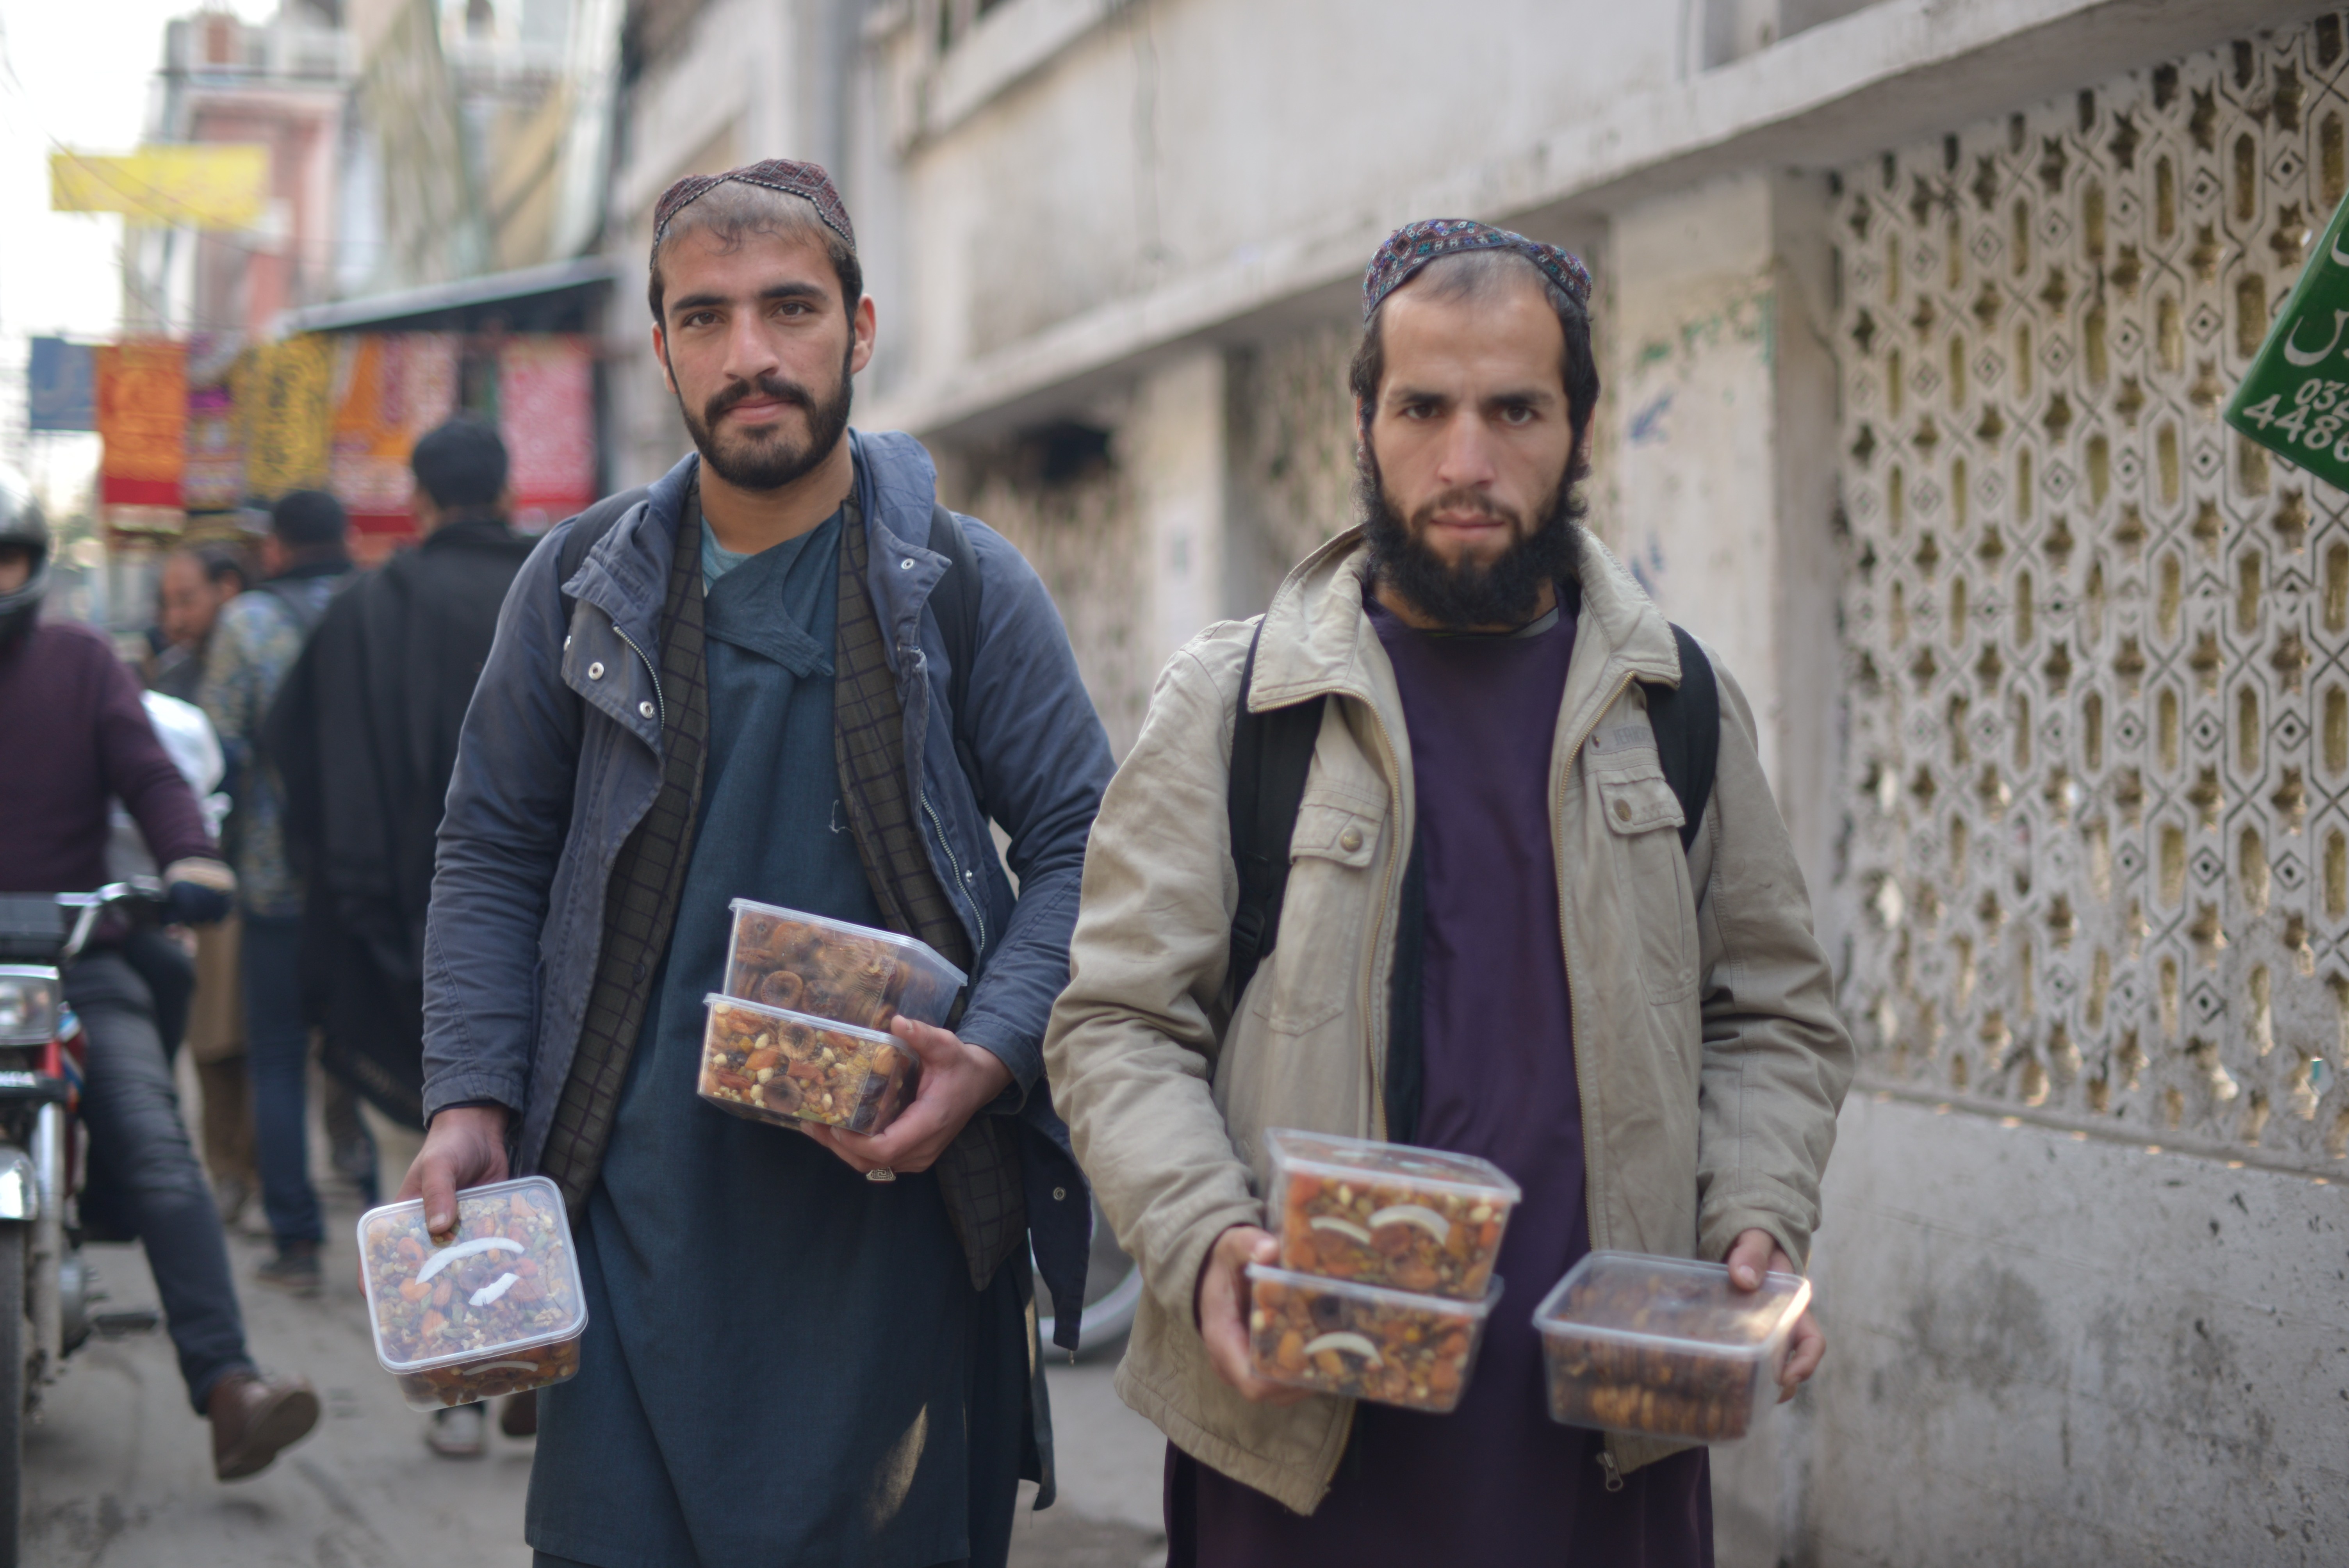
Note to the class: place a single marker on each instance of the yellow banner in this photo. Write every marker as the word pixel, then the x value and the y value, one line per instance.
pixel 282 393
pixel 203 185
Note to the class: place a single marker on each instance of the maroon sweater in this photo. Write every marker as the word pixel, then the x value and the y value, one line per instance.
pixel 72 734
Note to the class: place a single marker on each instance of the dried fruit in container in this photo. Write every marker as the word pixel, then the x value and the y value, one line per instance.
pixel 769 1064
pixel 832 969
pixel 494 1308
pixel 1665 1347
pixel 1388 1213
pixel 1361 1342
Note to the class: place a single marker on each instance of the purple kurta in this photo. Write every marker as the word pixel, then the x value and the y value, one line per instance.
pixel 1496 1482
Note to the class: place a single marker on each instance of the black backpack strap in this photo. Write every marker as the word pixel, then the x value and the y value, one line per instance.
pixel 1271 754
pixel 1687 722
pixel 589 527
pixel 955 602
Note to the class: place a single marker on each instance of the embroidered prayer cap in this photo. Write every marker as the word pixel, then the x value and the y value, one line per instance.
pixel 1413 245
pixel 792 178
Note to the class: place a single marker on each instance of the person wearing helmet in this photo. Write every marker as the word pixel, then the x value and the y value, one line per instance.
pixel 79 737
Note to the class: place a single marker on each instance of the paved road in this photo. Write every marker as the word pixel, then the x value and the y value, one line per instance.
pixel 120 1469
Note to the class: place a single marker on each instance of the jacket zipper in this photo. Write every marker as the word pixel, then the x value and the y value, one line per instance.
pixel 1594 1212
pixel 660 701
pixel 1599 1233
pixel 1386 882
pixel 954 865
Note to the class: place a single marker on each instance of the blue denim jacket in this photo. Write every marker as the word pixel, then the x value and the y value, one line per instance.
pixel 558 760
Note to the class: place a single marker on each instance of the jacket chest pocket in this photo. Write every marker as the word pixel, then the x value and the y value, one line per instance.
pixel 1317 956
pixel 1643 820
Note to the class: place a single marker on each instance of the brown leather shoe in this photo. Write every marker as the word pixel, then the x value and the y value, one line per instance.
pixel 254 1417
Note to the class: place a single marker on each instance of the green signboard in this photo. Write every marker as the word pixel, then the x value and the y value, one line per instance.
pixel 2295 398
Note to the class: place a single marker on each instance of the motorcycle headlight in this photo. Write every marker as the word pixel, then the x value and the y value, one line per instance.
pixel 28 1005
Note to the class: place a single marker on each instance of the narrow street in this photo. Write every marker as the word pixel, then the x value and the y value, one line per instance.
pixel 119 1471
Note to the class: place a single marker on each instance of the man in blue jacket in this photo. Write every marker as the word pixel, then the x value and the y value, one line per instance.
pixel 799 1349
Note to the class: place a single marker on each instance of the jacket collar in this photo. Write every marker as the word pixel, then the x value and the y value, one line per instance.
pixel 897 487
pixel 625 575
pixel 1318 638
pixel 480 528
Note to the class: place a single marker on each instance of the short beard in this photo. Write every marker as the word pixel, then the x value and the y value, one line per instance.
pixel 1505 591
pixel 773 461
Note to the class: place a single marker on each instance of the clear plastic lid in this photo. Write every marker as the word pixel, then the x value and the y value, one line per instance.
pixel 1435 1170
pixel 1673 1303
pixel 1387 1213
pixel 832 969
pixel 507 1282
pixel 771 1064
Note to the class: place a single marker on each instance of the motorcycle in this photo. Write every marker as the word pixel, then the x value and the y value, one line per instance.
pixel 43 1160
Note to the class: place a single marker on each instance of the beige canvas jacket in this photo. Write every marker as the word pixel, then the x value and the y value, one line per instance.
pixel 1708 1049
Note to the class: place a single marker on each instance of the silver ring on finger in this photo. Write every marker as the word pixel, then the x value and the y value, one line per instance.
pixel 880 1173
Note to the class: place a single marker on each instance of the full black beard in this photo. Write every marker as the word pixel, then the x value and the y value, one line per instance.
pixel 1502 594
pixel 775 461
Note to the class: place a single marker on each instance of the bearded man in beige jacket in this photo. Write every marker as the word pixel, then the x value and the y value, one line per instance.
pixel 1495 939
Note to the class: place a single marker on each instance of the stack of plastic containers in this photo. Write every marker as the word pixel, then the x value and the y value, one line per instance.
pixel 495 1309
pixel 1385 1277
pixel 1664 1348
pixel 802 1032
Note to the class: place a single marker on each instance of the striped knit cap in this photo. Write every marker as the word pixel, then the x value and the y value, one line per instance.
pixel 1413 245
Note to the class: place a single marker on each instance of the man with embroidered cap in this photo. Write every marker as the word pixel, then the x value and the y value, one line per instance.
pixel 743 682
pixel 1517 922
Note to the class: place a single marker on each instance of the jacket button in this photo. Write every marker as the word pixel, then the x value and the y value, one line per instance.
pixel 1060 1194
pixel 1622 811
pixel 645 708
pixel 907 564
pixel 1350 839
pixel 596 671
pixel 566 642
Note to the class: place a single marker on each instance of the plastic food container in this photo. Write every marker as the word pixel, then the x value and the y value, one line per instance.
pixel 1664 1346
pixel 771 1065
pixel 1387 1213
pixel 1361 1342
pixel 831 969
pixel 495 1310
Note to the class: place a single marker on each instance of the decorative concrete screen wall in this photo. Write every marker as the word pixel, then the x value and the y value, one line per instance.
pixel 2100 709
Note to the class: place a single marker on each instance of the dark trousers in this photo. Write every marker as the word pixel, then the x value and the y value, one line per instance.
pixel 142 1168
pixel 277 1055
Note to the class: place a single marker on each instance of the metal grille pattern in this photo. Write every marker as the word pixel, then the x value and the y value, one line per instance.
pixel 2100 699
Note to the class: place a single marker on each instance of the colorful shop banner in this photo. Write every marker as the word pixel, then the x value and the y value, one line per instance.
pixel 546 412
pixel 143 415
pixel 283 396
pixel 2294 399
pixel 62 390
pixel 215 480
pixel 208 185
pixel 389 389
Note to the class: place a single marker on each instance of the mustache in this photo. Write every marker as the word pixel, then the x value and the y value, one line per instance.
pixel 1463 499
pixel 764 385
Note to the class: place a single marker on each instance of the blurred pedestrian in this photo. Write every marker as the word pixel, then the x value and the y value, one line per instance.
pixel 1505 924
pixel 78 738
pixel 255 641
pixel 199 581
pixel 364 737
pixel 736 683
